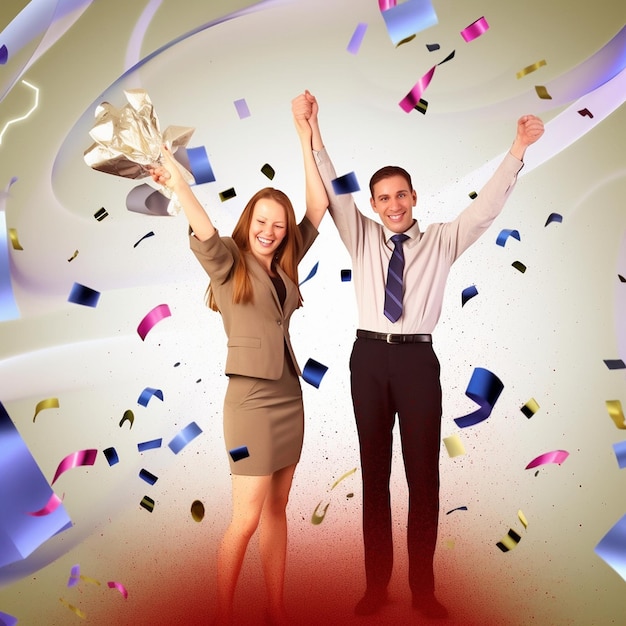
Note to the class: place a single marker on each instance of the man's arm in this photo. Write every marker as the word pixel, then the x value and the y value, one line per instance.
pixel 303 108
pixel 348 219
pixel 480 214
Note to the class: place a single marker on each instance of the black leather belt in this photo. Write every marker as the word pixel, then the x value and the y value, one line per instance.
pixel 391 338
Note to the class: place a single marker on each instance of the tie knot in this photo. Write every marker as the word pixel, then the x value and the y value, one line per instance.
pixel 399 238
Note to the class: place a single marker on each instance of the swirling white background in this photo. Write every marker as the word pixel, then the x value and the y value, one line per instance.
pixel 544 333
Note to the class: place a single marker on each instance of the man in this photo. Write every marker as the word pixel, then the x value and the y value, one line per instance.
pixel 393 367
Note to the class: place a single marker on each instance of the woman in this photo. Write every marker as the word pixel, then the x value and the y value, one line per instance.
pixel 254 285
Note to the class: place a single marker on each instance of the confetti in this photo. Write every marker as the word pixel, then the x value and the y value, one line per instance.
pixel 150 234
pixel 622 279
pixel 314 372
pixel 129 416
pixel 475 29
pixel 519 266
pixel 530 408
pixel 555 456
pixel 509 541
pixel 484 388
pixel 467 294
pixel 100 214
pixel 615 364
pixel 408 18
pixel 187 434
pixel 71 607
pixel 227 194
pixel 5 618
pixel 268 170
pixel 357 38
pixel 51 506
pixel 620 453
pixel 405 40
pixel 431 47
pixel 148 393
pixel 110 454
pixel 237 454
pixel 454 446
pixel 343 477
pixel 76 459
pixel 311 274
pixel 154 316
pixel 200 165
pixel 410 101
pixel 4 57
pixel 15 242
pixel 346 276
pixel 612 547
pixel 197 511
pixel 113 585
pixel 74 578
pixel 23 487
pixel 614 407
pixel 586 113
pixel 73 256
pixel 318 518
pixel 147 503
pixel 542 92
pixel 88 579
pixel 48 403
pixel 149 445
pixel 458 508
pixel 242 108
pixel 522 518
pixel 422 106
pixel 149 477
pixel 530 68
pixel 505 234
pixel 86 296
pixel 554 217
pixel 347 183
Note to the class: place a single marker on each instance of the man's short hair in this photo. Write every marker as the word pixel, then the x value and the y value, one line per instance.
pixel 387 172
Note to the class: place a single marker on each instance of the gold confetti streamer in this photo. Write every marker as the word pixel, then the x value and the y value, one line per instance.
pixel 129 416
pixel 318 518
pixel 530 408
pixel 518 265
pixel 473 195
pixel 73 256
pixel 48 403
pixel 422 106
pixel 454 446
pixel 542 92
pixel 100 214
pixel 614 407
pixel 531 68
pixel 91 581
pixel 197 511
pixel 352 471
pixel 71 607
pixel 268 170
pixel 227 194
pixel 522 518
pixel 147 503
pixel 405 40
pixel 15 242
pixel 509 541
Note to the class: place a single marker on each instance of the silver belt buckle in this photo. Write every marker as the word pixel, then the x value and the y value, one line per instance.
pixel 389 336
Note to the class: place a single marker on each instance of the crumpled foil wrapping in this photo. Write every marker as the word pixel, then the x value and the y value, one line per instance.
pixel 128 140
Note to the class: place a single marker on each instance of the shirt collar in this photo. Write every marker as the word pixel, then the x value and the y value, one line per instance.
pixel 412 233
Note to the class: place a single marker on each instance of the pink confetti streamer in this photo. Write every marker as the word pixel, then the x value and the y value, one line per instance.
pixel 157 314
pixel 408 103
pixel 51 507
pixel 475 29
pixel 113 585
pixel 556 456
pixel 384 5
pixel 76 459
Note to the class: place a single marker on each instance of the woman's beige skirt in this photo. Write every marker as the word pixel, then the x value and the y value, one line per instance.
pixel 265 419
